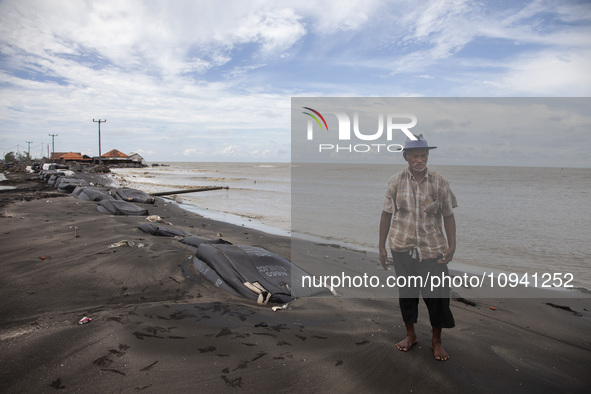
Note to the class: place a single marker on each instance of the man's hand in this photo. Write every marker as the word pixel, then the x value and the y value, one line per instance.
pixel 447 256
pixel 384 259
pixel 449 222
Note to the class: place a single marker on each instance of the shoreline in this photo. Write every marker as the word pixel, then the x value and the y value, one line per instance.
pixel 229 218
pixel 158 328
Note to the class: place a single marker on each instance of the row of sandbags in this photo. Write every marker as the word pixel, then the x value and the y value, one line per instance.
pixel 112 201
pixel 63 180
pixel 116 201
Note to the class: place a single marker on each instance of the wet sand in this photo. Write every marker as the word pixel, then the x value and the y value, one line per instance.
pixel 159 326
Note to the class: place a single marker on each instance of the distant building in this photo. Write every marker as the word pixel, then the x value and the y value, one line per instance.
pixel 113 157
pixel 70 156
pixel 57 155
pixel 137 159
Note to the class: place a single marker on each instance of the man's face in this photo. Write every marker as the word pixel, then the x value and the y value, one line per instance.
pixel 417 159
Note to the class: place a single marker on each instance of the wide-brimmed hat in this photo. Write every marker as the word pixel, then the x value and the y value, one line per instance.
pixel 419 143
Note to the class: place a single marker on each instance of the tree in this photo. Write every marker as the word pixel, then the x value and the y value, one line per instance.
pixel 10 157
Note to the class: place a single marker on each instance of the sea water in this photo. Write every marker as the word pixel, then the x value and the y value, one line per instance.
pixel 258 195
pixel 515 219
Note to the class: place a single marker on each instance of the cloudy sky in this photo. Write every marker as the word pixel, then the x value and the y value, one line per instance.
pixel 213 80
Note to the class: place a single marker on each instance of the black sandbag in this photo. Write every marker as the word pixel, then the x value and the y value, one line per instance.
pixel 77 190
pixel 92 193
pixel 45 176
pixel 195 241
pixel 213 277
pixel 236 264
pixel 116 207
pixel 53 179
pixel 68 184
pixel 133 195
pixel 224 261
pixel 160 230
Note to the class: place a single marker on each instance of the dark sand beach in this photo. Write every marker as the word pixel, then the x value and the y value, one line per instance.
pixel 158 326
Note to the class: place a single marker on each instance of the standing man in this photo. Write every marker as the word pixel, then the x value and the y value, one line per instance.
pixel 416 202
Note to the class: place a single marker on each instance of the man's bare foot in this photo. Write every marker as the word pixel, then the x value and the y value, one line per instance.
pixel 439 352
pixel 406 343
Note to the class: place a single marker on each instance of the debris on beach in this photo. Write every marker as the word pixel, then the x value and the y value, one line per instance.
pixel 200 189
pixel 127 243
pixel 85 320
pixel 277 308
pixel 157 219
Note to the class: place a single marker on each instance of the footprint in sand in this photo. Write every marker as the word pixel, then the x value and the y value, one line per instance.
pixel 236 382
pixel 208 349
pixel 103 361
pixel 57 384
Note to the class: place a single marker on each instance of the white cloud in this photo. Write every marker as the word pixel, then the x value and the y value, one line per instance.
pixel 230 151
pixel 276 30
pixel 544 73
pixel 333 17
pixel 564 73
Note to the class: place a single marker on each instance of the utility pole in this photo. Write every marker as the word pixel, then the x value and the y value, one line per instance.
pixel 52 143
pixel 99 122
pixel 29 148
